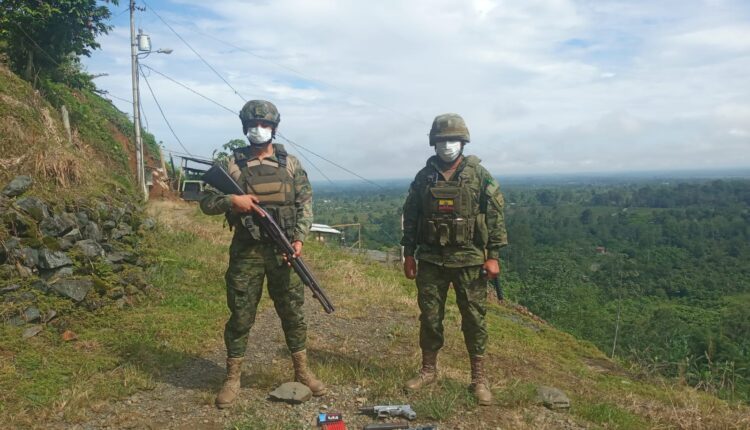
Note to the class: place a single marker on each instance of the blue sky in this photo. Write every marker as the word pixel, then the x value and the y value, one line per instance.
pixel 546 86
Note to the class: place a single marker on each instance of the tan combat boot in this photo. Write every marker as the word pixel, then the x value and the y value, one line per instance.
pixel 427 374
pixel 231 388
pixel 479 383
pixel 303 375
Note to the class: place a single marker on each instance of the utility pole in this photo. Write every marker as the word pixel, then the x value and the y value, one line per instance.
pixel 140 174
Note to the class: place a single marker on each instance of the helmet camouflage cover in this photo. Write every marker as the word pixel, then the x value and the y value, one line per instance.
pixel 259 110
pixel 449 126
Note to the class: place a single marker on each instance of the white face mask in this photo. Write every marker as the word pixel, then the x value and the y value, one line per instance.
pixel 259 135
pixel 448 151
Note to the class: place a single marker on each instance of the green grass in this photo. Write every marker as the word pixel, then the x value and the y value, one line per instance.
pixel 609 415
pixel 118 351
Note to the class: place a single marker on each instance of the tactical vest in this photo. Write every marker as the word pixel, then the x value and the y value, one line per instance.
pixel 272 183
pixel 450 209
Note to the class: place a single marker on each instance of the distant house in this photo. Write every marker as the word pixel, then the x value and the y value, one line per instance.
pixel 601 250
pixel 323 231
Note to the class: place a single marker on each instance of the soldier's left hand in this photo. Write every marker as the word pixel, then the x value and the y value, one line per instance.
pixel 297 245
pixel 492 267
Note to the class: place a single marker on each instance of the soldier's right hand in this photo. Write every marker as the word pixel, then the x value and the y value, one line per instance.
pixel 410 267
pixel 245 203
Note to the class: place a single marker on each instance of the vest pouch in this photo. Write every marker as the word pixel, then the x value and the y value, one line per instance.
pixel 443 233
pixel 286 218
pixel 445 200
pixel 269 192
pixel 461 231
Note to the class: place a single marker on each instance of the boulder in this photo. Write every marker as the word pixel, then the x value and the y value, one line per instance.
pixel 31 314
pixel 109 225
pixel 55 274
pixel 57 225
pixel 90 248
pixel 148 224
pixel 9 288
pixel 34 207
pixel 75 289
pixel 53 259
pixel 7 247
pixel 92 231
pixel 40 285
pixel 552 398
pixel 121 231
pixel 32 331
pixel 18 224
pixel 18 186
pixel 28 257
pixel 291 392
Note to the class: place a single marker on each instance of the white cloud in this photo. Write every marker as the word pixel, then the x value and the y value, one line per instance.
pixel 545 85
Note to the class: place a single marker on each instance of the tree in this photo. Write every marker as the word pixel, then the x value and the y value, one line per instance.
pixel 48 36
pixel 223 155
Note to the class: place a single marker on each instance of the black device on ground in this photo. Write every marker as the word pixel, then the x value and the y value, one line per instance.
pixel 218 178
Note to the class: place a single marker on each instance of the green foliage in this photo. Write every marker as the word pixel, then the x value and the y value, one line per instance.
pixel 226 151
pixel 46 37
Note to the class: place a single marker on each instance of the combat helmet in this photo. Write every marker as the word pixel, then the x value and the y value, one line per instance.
pixel 259 110
pixel 449 126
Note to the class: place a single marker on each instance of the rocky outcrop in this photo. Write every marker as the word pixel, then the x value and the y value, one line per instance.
pixel 86 251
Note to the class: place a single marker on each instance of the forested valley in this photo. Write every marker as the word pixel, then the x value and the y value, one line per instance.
pixel 655 272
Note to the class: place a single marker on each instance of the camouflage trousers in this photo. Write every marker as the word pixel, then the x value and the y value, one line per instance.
pixel 471 297
pixel 249 265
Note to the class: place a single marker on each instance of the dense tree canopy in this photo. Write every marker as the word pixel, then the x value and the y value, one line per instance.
pixel 46 37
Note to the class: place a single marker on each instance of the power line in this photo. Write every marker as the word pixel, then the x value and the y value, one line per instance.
pixel 309 78
pixel 162 112
pixel 37 45
pixel 194 51
pixel 189 89
pixel 233 112
pixel 329 161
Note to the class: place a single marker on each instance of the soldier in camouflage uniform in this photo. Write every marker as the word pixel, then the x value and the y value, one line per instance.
pixel 454 225
pixel 276 180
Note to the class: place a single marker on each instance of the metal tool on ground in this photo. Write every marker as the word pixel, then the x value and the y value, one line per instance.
pixel 385 411
pixel 332 421
pixel 218 178
pixel 396 426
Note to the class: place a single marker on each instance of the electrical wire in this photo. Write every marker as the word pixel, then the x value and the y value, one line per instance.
pixel 194 51
pixel 162 112
pixel 37 45
pixel 309 78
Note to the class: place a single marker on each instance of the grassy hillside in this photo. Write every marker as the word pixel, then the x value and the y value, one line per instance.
pixel 97 159
pixel 365 350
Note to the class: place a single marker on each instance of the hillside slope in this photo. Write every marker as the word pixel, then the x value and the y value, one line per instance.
pixel 159 364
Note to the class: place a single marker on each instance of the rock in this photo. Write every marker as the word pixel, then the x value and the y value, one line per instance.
pixel 49 316
pixel 552 398
pixel 74 234
pixel 40 285
pixel 121 231
pixel 90 249
pixel 55 274
pixel 53 259
pixel 148 224
pixel 18 186
pixel 68 335
pixel 7 247
pixel 109 225
pixel 18 224
pixel 66 243
pixel 82 218
pixel 7 271
pixel 115 257
pixel 57 225
pixel 32 331
pixel 9 288
pixel 75 289
pixel 28 257
pixel 34 207
pixel 91 231
pixel 291 392
pixel 31 314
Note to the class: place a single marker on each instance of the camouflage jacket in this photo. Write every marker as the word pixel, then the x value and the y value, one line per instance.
pixel 215 203
pixel 489 235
